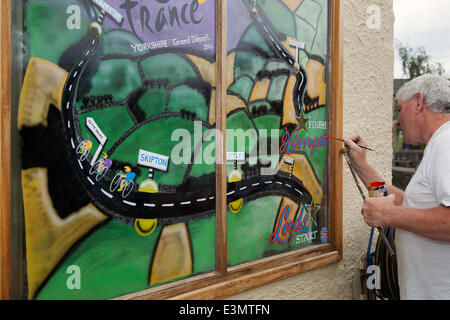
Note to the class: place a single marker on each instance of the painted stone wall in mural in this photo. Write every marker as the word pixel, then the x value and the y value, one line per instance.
pixel 117 117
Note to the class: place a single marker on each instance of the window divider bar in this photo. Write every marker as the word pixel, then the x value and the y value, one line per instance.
pixel 5 150
pixel 336 186
pixel 221 125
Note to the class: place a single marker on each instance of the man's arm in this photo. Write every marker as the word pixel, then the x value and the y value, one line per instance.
pixel 433 223
pixel 364 170
pixel 398 193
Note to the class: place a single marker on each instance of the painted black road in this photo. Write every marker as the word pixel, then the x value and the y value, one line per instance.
pixel 189 202
pixel 266 30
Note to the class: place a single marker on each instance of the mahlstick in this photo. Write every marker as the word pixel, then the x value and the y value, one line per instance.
pixel 385 240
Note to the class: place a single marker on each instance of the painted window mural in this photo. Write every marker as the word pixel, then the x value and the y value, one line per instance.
pixel 117 116
pixel 107 84
pixel 277 119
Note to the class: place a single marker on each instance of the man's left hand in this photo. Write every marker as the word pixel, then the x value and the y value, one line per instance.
pixel 376 210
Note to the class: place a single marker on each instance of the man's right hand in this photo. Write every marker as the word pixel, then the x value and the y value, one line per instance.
pixel 365 171
pixel 357 156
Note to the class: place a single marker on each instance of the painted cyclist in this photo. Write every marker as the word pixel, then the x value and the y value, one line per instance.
pixel 101 167
pixel 83 148
pixel 127 177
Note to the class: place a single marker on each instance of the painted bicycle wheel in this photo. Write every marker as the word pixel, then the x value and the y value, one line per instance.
pixel 127 189
pixel 94 168
pixel 84 154
pixel 81 146
pixel 102 173
pixel 115 183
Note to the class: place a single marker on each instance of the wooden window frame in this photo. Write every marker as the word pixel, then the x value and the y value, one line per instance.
pixel 225 281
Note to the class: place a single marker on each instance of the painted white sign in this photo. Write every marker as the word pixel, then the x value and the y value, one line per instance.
pixel 299 45
pixel 235 156
pixel 289 160
pixel 95 129
pixel 109 10
pixel 153 160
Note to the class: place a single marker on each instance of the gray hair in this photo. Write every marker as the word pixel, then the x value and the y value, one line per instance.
pixel 435 90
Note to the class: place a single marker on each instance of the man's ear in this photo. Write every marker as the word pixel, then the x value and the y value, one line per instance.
pixel 419 102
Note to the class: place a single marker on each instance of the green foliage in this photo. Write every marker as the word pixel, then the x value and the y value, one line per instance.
pixel 416 62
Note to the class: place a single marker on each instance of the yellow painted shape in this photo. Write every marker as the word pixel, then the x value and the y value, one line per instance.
pixel 304 172
pixel 207 69
pixel 208 73
pixel 48 237
pixel 173 257
pixel 235 176
pixel 149 186
pixel 289 116
pixel 292 50
pixel 260 89
pixel 233 103
pixel 237 205
pixel 230 69
pixel 292 4
pixel 316 86
pixel 212 108
pixel 43 84
pixel 145 227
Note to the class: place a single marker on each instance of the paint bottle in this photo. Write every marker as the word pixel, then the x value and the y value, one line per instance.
pixel 377 189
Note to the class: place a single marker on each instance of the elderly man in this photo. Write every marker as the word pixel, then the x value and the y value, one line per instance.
pixel 420 214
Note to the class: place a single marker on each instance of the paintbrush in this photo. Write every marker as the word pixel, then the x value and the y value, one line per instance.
pixel 340 139
pixel 380 231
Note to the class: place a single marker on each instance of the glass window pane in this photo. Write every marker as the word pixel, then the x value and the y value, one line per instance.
pixel 277 123
pixel 116 115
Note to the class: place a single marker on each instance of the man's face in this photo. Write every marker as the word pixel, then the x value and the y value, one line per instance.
pixel 407 120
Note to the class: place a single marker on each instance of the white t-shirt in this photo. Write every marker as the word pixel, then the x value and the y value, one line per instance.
pixel 424 264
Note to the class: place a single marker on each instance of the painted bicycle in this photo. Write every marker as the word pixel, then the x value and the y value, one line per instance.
pixel 123 181
pixel 101 167
pixel 84 148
